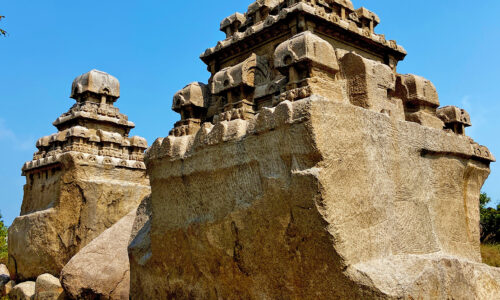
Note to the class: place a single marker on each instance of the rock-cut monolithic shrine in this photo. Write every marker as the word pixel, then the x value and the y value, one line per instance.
pixel 82 180
pixel 306 167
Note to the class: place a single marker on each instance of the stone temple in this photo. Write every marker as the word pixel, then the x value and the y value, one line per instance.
pixel 82 180
pixel 307 167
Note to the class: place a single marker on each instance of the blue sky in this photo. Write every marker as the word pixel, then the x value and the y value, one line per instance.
pixel 153 46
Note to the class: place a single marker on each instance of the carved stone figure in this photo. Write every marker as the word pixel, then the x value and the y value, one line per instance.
pixel 81 181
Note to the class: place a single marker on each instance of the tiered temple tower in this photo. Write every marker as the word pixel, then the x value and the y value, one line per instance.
pixel 307 167
pixel 290 50
pixel 81 180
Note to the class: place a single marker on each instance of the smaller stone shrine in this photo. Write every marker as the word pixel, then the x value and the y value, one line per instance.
pixel 81 181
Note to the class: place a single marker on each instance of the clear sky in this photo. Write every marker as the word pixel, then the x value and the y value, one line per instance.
pixel 153 46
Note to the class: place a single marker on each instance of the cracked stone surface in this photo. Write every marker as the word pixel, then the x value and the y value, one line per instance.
pixel 330 201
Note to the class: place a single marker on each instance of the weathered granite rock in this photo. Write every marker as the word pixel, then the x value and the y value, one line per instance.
pixel 4 280
pixel 139 245
pixel 7 287
pixel 101 269
pixel 309 179
pixel 299 209
pixel 48 287
pixel 4 274
pixel 23 291
pixel 82 180
pixel 430 276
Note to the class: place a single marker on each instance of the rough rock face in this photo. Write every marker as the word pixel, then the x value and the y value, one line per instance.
pixel 82 180
pixel 301 178
pixel 101 269
pixel 344 203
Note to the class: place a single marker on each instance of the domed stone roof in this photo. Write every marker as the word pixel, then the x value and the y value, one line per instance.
pixel 96 82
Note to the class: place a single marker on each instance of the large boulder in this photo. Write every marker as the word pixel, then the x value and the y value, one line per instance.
pixel 23 291
pixel 101 269
pixel 48 287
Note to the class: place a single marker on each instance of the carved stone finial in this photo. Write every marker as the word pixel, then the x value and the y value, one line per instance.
pixel 454 118
pixel 96 83
pixel 194 94
pixel 231 24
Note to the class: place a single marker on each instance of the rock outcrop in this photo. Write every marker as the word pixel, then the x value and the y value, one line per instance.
pixel 101 269
pixel 308 168
pixel 81 181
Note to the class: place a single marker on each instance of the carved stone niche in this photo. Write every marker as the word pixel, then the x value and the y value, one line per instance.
pixel 420 100
pixel 454 118
pixel 136 149
pixel 191 103
pixel 111 143
pixel 260 10
pixel 97 87
pixel 309 63
pixel 344 3
pixel 293 2
pixel 371 85
pixel 341 8
pixel 235 87
pixel 367 19
pixel 43 146
pixel 231 24
pixel 77 139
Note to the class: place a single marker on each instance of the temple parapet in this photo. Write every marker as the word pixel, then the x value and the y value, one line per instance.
pixel 291 50
pixel 336 19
